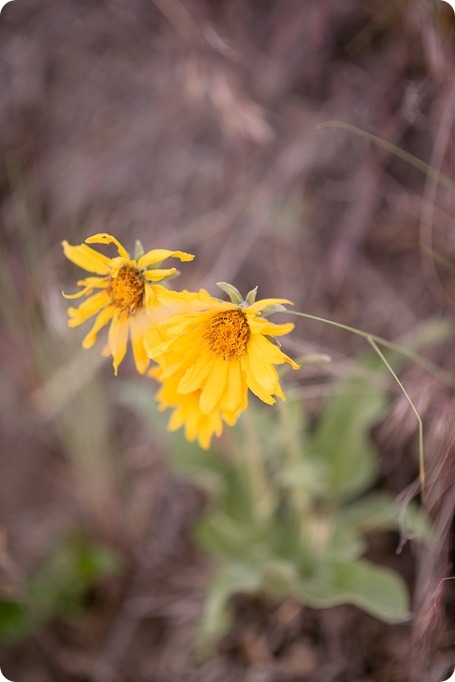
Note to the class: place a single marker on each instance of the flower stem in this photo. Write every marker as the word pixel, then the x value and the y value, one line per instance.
pixel 427 365
pixel 393 149
pixel 413 407
pixel 294 455
pixel 260 490
pixel 374 342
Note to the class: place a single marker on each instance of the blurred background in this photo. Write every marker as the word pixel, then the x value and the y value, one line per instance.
pixel 199 125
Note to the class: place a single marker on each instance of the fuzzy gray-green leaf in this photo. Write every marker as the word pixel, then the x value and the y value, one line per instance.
pixel 342 437
pixel 377 590
pixel 230 580
pixel 138 250
pixel 271 309
pixel 231 291
pixel 251 296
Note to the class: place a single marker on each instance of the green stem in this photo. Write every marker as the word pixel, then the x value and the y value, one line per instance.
pixel 393 149
pixel 374 340
pixel 260 490
pixel 294 455
pixel 414 409
pixel 411 355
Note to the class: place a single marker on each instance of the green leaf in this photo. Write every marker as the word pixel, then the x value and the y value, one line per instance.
pixel 341 439
pixel 344 542
pixel 231 539
pixel 380 511
pixel 16 622
pixel 309 475
pixel 206 469
pixel 58 587
pixel 93 562
pixel 377 590
pixel 279 577
pixel 229 580
pixel 72 567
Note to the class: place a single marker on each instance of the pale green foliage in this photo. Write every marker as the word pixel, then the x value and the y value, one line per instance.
pixel 302 531
pixel 290 512
pixel 341 440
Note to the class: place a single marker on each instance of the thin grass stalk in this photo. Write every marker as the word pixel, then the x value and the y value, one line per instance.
pixel 374 340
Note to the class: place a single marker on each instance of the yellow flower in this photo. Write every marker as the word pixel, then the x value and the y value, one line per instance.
pixel 211 357
pixel 187 412
pixel 127 295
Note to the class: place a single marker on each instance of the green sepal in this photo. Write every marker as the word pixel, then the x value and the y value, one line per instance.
pixel 271 309
pixel 273 340
pixel 231 291
pixel 138 250
pixel 251 296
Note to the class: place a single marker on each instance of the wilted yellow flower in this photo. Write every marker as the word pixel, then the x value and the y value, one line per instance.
pixel 126 295
pixel 213 356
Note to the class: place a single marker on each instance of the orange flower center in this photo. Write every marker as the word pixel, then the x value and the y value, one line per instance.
pixel 127 289
pixel 228 334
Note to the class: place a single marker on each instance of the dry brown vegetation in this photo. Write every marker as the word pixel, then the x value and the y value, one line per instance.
pixel 194 124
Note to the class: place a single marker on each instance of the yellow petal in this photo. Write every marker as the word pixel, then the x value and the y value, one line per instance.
pixel 272 353
pixel 78 294
pixel 215 306
pixel 185 298
pixel 190 430
pixel 167 369
pixel 264 372
pixel 95 282
pixel 158 255
pixel 104 238
pixel 103 318
pixel 137 342
pixel 264 326
pixel 235 386
pixel 118 338
pixel 188 345
pixel 280 329
pixel 214 386
pixel 154 342
pixel 87 258
pixel 117 263
pixel 260 305
pixel 207 428
pixel 253 383
pixel 268 350
pixel 231 417
pixel 195 375
pixel 89 283
pixel 205 437
pixel 176 420
pixel 290 361
pixel 177 363
pixel 150 299
pixel 88 308
pixel 158 274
